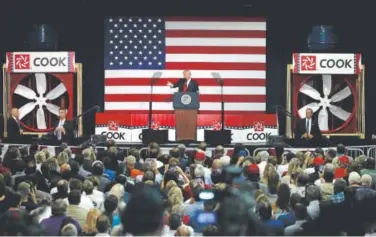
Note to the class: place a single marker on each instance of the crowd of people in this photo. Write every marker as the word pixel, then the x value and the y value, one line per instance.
pixel 110 193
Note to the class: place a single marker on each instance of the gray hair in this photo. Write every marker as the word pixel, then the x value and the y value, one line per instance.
pixel 200 171
pixel 264 155
pixel 58 207
pixel 329 168
pixel 312 193
pixel 366 180
pixel 69 230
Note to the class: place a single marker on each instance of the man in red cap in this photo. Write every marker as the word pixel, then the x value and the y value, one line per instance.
pixel 199 159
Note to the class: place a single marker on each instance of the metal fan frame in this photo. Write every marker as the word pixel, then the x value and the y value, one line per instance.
pixel 78 100
pixel 353 93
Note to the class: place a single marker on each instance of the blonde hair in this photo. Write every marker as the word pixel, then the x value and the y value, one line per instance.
pixel 68 151
pixel 46 152
pixel 91 221
pixel 62 158
pixel 113 150
pixel 52 163
pixel 293 166
pixel 175 191
pixel 40 157
pixel 118 191
pixel 170 184
pixel 269 169
pixel 149 182
pixel 178 209
pixel 175 200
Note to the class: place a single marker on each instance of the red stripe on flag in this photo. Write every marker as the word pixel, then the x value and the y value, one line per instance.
pixel 214 50
pixel 241 112
pixel 216 34
pixel 224 19
pixel 168 98
pixel 163 82
pixel 215 66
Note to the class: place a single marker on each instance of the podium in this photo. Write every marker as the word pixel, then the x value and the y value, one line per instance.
pixel 186 105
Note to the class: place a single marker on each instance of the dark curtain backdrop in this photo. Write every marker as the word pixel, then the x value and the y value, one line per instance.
pixel 80 27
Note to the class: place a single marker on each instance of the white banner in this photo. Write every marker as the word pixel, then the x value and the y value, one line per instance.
pixel 126 135
pixel 32 62
pixel 326 63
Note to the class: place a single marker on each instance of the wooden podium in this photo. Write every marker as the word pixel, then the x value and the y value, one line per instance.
pixel 186 105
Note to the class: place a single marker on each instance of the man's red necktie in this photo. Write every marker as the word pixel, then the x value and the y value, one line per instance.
pixel 185 87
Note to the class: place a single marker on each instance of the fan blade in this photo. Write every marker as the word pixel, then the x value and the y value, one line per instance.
pixel 323 120
pixel 53 108
pixel 327 84
pixel 339 112
pixel 56 92
pixel 341 95
pixel 310 91
pixel 26 109
pixel 41 120
pixel 314 106
pixel 25 92
pixel 41 82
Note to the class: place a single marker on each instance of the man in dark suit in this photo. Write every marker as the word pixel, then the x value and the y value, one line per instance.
pixel 64 129
pixel 14 130
pixel 307 128
pixel 185 84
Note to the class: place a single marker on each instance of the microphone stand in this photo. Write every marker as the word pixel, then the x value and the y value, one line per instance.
pixel 156 76
pixel 220 82
pixel 75 119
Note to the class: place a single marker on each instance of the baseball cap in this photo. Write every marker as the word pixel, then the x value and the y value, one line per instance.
pixel 200 156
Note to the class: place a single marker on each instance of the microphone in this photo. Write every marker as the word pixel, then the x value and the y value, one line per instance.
pixel 97 108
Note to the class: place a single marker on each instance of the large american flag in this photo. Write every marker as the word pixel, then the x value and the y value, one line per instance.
pixel 139 50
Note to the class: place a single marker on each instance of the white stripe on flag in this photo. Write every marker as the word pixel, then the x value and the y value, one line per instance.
pixel 228 58
pixel 205 90
pixel 241 74
pixel 207 25
pixel 208 106
pixel 228 42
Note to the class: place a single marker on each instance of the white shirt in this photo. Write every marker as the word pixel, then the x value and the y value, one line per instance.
pixel 97 197
pixel 261 167
pixel 309 121
pixel 61 123
pixel 282 169
pixel 188 81
pixel 85 203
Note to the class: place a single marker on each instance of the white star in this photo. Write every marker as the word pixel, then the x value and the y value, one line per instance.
pixel 130 30
pixel 110 20
pixel 149 20
pixel 121 52
pixel 159 31
pixel 149 63
pixel 149 42
pixel 159 52
pixel 135 47
pixel 135 36
pixel 150 52
pixel 120 20
pixel 121 63
pixel 130 63
pixel 135 58
pixel 125 46
pixel 115 25
pixel 111 41
pixel 154 47
pixel 130 41
pixel 144 25
pixel 111 53
pixel 125 25
pixel 139 31
pixel 116 57
pixel 116 36
pixel 145 47
pixel 116 47
pixel 121 31
pixel 111 31
pixel 120 41
pixel 159 42
pixel 145 58
pixel 111 63
pixel 140 63
pixel 155 58
pixel 154 25
pixel 159 63
pixel 125 36
pixel 125 57
pixel 159 20
pixel 135 25
pixel 139 20
pixel 140 52
pixel 154 36
pixel 145 36
pixel 130 52
pixel 149 31
pixel 140 41
pixel 130 20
